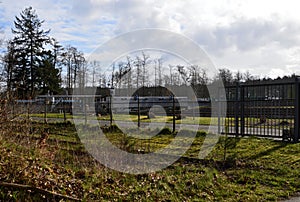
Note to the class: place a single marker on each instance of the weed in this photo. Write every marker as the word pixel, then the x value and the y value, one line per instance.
pixel 253 169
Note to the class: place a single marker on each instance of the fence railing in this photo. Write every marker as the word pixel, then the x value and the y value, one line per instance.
pixel 264 108
pixel 269 108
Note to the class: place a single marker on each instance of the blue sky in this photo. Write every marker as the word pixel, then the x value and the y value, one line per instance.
pixel 262 37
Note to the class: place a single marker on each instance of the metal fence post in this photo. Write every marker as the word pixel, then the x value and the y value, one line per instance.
pixel 139 113
pixel 219 112
pixel 173 109
pixel 297 110
pixel 110 111
pixel 242 105
pixel 237 106
pixel 45 111
pixel 85 111
pixel 64 107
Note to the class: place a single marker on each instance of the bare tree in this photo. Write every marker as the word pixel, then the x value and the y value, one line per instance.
pixel 82 74
pixel 74 62
pixel 57 55
pixel 160 62
pixel 79 67
pixel 138 64
pixel 120 74
pixel 103 81
pixel 225 75
pixel 184 74
pixel 94 65
pixel 128 74
pixel 144 63
pixel 238 77
pixel 249 77
pixel 171 74
pixel 203 77
pixel 193 75
pixel 68 62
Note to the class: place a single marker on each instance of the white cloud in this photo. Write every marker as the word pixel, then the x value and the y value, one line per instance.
pixel 248 34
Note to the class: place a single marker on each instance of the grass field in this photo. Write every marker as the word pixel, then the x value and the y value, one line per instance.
pixel 126 117
pixel 249 122
pixel 248 169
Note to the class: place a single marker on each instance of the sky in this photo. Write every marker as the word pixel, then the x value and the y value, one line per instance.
pixel 259 36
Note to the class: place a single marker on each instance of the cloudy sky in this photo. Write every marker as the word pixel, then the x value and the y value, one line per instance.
pixel 261 36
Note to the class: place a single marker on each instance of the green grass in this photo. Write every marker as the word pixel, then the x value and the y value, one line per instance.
pixel 52 115
pixel 254 169
pixel 249 122
pixel 134 118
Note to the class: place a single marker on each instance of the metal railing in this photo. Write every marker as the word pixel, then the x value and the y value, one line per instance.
pixel 263 108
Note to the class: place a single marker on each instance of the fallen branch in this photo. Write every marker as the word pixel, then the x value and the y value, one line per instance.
pixel 38 190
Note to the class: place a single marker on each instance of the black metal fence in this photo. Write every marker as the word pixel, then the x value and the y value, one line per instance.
pixel 267 108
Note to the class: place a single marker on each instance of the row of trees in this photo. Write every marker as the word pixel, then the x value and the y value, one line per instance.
pixel 142 70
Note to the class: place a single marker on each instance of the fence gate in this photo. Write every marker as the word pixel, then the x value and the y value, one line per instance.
pixel 268 108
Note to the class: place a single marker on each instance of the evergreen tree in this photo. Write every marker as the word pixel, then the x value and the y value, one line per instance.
pixel 48 77
pixel 30 40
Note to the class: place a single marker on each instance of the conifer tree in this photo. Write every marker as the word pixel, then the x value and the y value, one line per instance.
pixel 29 41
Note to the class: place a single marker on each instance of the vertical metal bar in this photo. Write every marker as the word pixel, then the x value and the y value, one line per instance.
pixel 173 100
pixel 110 110
pixel 242 105
pixel 259 111
pixel 269 123
pixel 273 129
pixel 255 114
pixel 85 112
pixel 286 102
pixel 271 110
pixel 276 110
pixel 236 109
pixel 263 111
pixel 64 107
pixel 284 105
pixel 246 110
pixel 45 113
pixel 219 113
pixel 279 113
pixel 297 110
pixel 139 113
pixel 249 110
